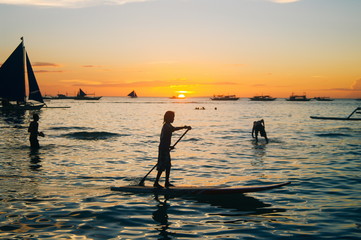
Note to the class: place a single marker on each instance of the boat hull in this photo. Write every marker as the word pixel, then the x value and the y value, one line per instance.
pixel 264 99
pixel 298 100
pixel 21 107
pixel 87 98
pixel 224 99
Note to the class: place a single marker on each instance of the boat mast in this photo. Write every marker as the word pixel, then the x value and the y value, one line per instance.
pixel 24 65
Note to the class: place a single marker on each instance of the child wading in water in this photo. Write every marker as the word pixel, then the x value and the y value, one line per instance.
pixel 259 127
pixel 164 160
pixel 34 132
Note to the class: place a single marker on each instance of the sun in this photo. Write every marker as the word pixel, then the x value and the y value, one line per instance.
pixel 181 96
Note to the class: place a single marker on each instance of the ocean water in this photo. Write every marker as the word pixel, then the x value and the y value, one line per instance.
pixel 63 190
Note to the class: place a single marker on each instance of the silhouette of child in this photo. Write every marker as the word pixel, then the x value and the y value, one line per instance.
pixel 164 160
pixel 259 127
pixel 34 132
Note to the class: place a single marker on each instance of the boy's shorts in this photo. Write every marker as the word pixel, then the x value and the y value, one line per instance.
pixel 164 161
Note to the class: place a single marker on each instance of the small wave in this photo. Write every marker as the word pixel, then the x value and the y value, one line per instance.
pixel 192 140
pixel 333 135
pixel 69 128
pixel 92 135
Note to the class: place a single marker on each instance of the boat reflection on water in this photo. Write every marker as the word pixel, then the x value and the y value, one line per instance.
pixel 13 117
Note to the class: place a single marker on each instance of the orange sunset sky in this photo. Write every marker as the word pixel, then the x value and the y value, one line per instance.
pixel 200 47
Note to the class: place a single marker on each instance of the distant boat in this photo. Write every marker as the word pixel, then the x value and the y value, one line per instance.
pixel 224 98
pixel 80 96
pixel 298 98
pixel 59 96
pixel 64 96
pixel 178 97
pixel 324 99
pixel 85 96
pixel 262 98
pixel 133 94
pixel 13 75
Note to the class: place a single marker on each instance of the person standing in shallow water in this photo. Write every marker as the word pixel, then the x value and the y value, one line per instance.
pixel 259 127
pixel 34 132
pixel 164 160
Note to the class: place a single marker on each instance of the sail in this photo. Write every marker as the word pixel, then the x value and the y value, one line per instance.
pixel 133 94
pixel 12 76
pixel 34 91
pixel 81 93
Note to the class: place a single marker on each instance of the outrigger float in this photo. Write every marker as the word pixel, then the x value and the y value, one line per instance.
pixel 349 118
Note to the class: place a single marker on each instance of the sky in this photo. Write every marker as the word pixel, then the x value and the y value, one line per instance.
pixel 160 48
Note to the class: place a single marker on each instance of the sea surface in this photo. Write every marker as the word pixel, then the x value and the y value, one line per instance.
pixel 62 191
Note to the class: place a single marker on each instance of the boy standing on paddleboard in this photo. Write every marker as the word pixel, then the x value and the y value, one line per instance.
pixel 164 160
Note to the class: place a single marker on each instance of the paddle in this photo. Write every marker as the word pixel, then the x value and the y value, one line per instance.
pixel 141 183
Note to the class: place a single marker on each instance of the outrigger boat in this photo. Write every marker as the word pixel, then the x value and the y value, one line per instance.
pixel 12 82
pixel 298 98
pixel 325 99
pixel 349 118
pixel 262 98
pixel 85 96
pixel 59 96
pixel 224 98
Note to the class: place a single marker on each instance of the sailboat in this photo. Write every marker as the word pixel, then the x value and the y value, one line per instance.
pixel 133 94
pixel 12 82
pixel 85 96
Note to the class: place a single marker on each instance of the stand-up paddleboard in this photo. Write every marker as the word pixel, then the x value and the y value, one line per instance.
pixel 197 190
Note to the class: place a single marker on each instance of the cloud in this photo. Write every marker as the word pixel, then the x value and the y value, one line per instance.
pixel 143 84
pixel 81 82
pixel 90 66
pixel 85 83
pixel 259 85
pixel 236 65
pixel 338 89
pixel 224 83
pixel 284 1
pixel 68 3
pixel 47 71
pixel 89 3
pixel 44 64
pixel 357 85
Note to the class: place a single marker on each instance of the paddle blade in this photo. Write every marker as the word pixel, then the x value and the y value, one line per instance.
pixel 141 183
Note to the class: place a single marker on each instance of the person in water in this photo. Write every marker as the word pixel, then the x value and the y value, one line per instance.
pixel 259 127
pixel 34 132
pixel 164 160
